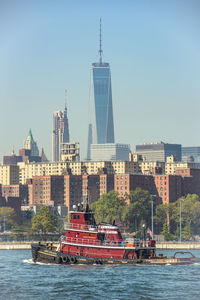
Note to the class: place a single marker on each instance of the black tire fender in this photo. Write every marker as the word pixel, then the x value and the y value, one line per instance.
pixel 65 259
pixel 73 260
pixel 58 259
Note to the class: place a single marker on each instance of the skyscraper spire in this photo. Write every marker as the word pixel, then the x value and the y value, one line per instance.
pixel 65 99
pixel 100 50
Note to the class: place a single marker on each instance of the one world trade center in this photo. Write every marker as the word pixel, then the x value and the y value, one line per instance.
pixel 101 98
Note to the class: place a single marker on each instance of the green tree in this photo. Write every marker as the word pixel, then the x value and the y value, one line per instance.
pixel 108 208
pixel 44 221
pixel 190 216
pixel 163 214
pixel 166 232
pixel 7 217
pixel 138 211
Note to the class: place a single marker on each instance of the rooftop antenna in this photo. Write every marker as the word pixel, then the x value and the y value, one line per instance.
pixel 65 99
pixel 100 50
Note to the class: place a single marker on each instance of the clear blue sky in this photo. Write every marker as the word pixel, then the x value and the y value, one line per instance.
pixel 153 48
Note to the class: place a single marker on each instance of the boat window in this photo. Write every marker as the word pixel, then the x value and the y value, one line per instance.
pixel 86 217
pixel 74 217
pixel 78 217
pixel 108 250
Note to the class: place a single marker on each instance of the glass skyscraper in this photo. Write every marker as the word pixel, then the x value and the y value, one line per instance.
pixel 101 85
pixel 101 98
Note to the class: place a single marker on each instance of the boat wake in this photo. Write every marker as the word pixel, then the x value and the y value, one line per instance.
pixel 28 261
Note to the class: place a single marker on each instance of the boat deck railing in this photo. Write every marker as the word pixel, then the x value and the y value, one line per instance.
pixel 91 241
pixel 80 227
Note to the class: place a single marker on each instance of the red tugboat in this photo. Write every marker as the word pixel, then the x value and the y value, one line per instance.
pixel 87 243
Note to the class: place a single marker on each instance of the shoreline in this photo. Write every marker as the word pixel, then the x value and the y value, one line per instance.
pixel 159 245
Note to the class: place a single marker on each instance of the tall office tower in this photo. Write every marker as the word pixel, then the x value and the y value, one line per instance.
pixel 60 132
pixel 30 144
pixel 101 98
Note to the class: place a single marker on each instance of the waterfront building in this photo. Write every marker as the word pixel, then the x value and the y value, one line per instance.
pixel 168 187
pixel 191 180
pixel 72 190
pixel 125 183
pixel 159 151
pixel 60 133
pixel 90 187
pixel 48 190
pixel 191 154
pixel 109 151
pixel 106 183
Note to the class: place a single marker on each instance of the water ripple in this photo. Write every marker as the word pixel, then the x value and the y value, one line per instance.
pixel 21 278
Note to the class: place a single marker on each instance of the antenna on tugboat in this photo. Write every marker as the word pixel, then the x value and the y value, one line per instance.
pixel 87 201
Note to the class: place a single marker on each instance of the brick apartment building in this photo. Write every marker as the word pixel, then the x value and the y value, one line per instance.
pixel 124 183
pixel 168 187
pixel 48 190
pixel 72 190
pixel 190 180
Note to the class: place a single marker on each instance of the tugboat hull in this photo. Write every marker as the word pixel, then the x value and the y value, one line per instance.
pixel 42 253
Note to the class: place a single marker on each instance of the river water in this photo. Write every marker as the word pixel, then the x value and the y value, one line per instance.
pixel 20 279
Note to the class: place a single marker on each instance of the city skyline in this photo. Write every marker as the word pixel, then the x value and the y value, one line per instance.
pixel 153 50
